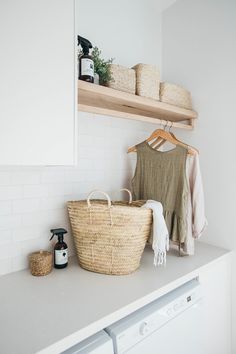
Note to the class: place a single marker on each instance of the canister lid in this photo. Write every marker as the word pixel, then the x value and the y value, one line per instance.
pixel 40 255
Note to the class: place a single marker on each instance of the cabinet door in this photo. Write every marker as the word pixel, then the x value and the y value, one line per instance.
pixel 216 325
pixel 37 82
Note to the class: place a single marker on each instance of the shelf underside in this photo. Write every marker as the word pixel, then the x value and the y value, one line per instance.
pixel 106 101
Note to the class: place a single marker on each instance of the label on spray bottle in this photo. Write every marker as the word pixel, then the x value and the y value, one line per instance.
pixel 87 67
pixel 61 257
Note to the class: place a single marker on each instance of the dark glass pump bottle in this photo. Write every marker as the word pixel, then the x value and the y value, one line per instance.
pixel 60 249
pixel 86 64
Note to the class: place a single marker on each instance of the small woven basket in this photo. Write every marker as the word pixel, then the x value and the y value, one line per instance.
pixel 123 78
pixel 147 81
pixel 176 95
pixel 40 263
pixel 109 237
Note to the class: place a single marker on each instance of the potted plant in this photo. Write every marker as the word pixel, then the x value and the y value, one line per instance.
pixel 101 67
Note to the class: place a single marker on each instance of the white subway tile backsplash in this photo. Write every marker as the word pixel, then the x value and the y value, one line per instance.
pixel 68 189
pixel 9 250
pixel 59 190
pixel 25 177
pixel 11 192
pixel 26 233
pixel 83 187
pixel 52 203
pixel 21 206
pixel 33 199
pixel 53 218
pixel 5 236
pixel 85 164
pixel 77 196
pixel 29 246
pixel 35 191
pixel 5 207
pixel 53 176
pixel 56 190
pixel 102 141
pixel 86 152
pixel 9 221
pixel 74 175
pixel 31 219
pixel 19 262
pixel 85 140
pixel 5 178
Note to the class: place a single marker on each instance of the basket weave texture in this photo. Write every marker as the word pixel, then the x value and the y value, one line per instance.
pixel 123 78
pixel 40 263
pixel 147 81
pixel 109 237
pixel 176 95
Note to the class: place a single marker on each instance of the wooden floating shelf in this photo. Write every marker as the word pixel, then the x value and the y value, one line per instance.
pixel 106 101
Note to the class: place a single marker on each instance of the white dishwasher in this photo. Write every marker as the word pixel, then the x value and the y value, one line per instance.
pixel 169 325
pixel 99 343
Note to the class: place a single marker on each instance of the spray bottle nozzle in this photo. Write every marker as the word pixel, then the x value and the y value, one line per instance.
pixel 58 232
pixel 85 44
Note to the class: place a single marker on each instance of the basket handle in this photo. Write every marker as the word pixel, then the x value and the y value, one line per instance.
pixel 98 191
pixel 130 194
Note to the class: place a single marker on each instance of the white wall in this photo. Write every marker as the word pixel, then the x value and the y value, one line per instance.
pixel 32 200
pixel 129 31
pixel 199 52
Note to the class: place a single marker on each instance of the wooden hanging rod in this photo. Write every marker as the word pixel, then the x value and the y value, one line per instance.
pixel 126 115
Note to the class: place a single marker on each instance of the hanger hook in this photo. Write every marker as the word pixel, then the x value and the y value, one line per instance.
pixel 166 125
pixel 171 125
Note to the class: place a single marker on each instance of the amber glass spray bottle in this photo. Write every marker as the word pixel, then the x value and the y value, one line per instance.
pixel 60 249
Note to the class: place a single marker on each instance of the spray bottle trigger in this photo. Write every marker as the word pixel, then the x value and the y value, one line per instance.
pixel 52 237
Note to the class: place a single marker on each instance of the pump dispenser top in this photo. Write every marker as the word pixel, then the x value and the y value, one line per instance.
pixel 60 248
pixel 59 233
pixel 85 44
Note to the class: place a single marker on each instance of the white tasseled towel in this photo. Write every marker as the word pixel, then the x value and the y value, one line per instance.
pixel 160 243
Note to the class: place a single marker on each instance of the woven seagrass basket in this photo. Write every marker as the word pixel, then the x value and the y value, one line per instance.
pixel 123 79
pixel 109 236
pixel 40 263
pixel 147 81
pixel 176 95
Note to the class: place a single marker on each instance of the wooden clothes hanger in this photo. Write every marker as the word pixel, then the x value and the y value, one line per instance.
pixel 161 136
pixel 159 141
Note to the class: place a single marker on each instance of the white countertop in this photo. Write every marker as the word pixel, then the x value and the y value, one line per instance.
pixel 50 314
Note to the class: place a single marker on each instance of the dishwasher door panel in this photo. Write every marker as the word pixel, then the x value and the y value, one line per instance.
pixel 182 335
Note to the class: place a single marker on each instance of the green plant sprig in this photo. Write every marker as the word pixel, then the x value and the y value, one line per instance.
pixel 101 66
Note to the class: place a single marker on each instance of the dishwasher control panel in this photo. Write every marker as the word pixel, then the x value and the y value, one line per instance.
pixel 137 326
pixel 181 304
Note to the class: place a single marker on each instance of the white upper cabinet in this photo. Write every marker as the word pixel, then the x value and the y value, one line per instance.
pixel 37 82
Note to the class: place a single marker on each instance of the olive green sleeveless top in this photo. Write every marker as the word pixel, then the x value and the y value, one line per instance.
pixel 161 176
